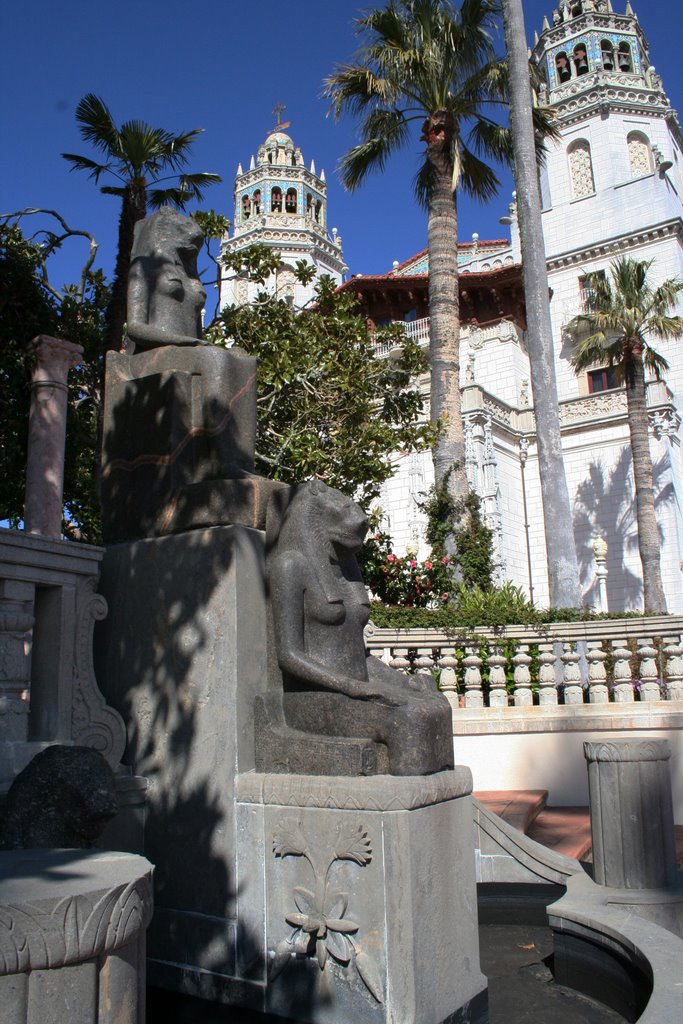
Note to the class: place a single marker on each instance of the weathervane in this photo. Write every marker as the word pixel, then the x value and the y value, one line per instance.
pixel 280 125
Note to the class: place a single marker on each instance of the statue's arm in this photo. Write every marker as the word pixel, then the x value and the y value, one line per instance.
pixel 290 577
pixel 146 336
pixel 379 671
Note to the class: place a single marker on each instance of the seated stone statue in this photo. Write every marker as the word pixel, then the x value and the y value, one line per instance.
pixel 179 414
pixel 165 295
pixel 333 708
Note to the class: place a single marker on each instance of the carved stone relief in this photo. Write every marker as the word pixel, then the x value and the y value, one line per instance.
pixel 322 928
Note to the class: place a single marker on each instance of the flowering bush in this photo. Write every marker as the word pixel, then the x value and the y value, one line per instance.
pixel 404 581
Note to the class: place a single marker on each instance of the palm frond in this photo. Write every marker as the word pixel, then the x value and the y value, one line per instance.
pixel 384 132
pixel 477 179
pixel 96 124
pixel 82 163
pixel 495 140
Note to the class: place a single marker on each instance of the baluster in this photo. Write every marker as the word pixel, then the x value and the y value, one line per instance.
pixel 400 659
pixel 571 677
pixel 597 673
pixel 448 678
pixel 498 697
pixel 523 695
pixel 424 662
pixel 623 684
pixel 474 698
pixel 547 680
pixel 649 679
pixel 674 670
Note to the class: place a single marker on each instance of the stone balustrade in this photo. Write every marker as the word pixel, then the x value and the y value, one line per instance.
pixel 611 661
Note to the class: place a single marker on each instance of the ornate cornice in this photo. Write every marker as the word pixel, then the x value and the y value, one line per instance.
pixel 591 20
pixel 609 247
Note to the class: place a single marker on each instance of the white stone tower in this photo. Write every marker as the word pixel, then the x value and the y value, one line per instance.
pixel 281 203
pixel 612 187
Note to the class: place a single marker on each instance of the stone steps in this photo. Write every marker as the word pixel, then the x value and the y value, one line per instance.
pixel 566 830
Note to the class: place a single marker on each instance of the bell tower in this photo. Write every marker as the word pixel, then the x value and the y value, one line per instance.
pixel 281 203
pixel 612 184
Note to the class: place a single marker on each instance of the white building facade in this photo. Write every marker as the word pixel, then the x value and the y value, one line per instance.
pixel 612 186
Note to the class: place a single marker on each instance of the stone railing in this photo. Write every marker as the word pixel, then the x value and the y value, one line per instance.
pixel 612 661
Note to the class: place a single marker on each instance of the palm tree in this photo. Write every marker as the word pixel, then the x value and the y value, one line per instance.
pixel 137 155
pixel 429 63
pixel 563 569
pixel 620 316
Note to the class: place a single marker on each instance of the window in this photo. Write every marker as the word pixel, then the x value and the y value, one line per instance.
pixel 624 59
pixel 564 71
pixel 276 200
pixel 639 154
pixel 291 201
pixel 581 59
pixel 603 379
pixel 246 207
pixel 581 169
pixel 607 51
pixel 587 286
pixel 256 201
pixel 577 9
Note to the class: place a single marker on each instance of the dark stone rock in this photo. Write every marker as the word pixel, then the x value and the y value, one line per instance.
pixel 333 709
pixel 63 798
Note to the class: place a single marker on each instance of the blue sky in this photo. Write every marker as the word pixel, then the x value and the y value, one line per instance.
pixel 222 67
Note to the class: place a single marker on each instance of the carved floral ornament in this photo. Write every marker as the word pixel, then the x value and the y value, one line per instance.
pixel 322 930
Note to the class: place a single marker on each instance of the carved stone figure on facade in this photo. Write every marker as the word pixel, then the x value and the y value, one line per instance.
pixel 180 414
pixel 334 709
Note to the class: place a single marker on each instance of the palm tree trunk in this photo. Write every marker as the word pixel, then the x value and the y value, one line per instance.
pixel 563 571
pixel 133 209
pixel 648 532
pixel 444 324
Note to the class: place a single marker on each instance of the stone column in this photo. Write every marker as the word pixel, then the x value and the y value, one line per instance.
pixel 47 433
pixel 632 820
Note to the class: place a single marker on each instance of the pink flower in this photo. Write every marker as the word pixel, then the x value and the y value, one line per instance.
pixel 391 558
pixel 444 597
pixel 428 565
pixel 413 563
pixel 444 561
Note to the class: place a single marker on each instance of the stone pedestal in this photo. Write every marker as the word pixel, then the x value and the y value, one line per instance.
pixel 72 937
pixel 181 655
pixel 631 813
pixel 357 898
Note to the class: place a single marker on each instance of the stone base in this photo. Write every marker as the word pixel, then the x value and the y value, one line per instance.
pixel 356 901
pixel 72 936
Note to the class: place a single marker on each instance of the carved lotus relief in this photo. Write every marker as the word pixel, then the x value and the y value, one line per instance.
pixel 323 930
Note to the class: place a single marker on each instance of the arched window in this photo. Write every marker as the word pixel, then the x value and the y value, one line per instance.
pixel 581 59
pixel 581 169
pixel 577 9
pixel 318 210
pixel 624 59
pixel 256 202
pixel 276 200
pixel 309 204
pixel 270 157
pixel 607 51
pixel 293 159
pixel 291 201
pixel 639 154
pixel 564 70
pixel 246 207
